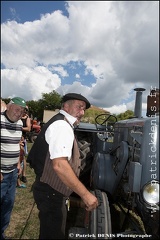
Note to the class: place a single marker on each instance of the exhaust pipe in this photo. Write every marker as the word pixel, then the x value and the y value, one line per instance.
pixel 138 102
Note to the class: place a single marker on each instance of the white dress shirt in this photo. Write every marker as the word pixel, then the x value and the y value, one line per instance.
pixel 60 136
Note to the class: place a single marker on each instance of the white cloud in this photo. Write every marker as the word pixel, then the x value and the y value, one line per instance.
pixel 60 70
pixel 77 75
pixel 117 109
pixel 29 83
pixel 76 87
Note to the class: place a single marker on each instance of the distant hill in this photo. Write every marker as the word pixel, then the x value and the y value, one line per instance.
pixel 92 113
pixel 94 108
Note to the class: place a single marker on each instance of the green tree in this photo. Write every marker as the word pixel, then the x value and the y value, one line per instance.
pixel 34 109
pixel 49 101
pixel 126 115
pixel 52 101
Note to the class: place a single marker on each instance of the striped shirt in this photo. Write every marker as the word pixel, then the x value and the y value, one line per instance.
pixel 11 133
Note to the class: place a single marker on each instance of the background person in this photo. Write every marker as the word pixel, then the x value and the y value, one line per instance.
pixel 11 132
pixel 22 156
pixel 26 128
pixel 61 170
pixel 3 106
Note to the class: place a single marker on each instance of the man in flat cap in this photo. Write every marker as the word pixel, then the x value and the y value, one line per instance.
pixel 11 132
pixel 56 146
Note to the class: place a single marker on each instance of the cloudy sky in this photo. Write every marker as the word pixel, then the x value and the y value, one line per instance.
pixel 101 49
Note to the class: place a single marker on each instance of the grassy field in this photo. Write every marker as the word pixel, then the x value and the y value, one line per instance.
pixel 24 222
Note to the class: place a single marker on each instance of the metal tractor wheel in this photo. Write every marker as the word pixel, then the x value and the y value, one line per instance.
pixel 95 224
pixel 100 218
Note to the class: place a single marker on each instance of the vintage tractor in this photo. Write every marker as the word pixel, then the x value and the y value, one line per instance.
pixel 120 165
pixel 35 130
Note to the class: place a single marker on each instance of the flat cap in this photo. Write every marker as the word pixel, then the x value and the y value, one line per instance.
pixel 76 96
pixel 18 101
